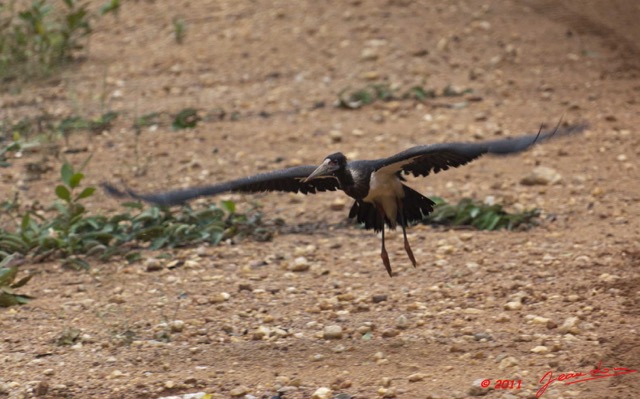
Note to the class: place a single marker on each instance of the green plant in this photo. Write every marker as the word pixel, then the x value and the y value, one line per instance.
pixel 179 29
pixel 13 146
pixel 8 273
pixel 70 231
pixel 111 6
pixel 469 212
pixel 37 38
pixel 383 92
pixel 188 118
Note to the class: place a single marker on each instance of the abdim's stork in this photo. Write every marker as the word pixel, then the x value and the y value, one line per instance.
pixel 377 186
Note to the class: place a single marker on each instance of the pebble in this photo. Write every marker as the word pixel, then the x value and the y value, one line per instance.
pixel 570 325
pixel 541 175
pixel 476 388
pixel 300 264
pixel 390 333
pixel 379 298
pixel 540 349
pixel 513 305
pixel 153 264
pixel 337 205
pixel 260 333
pixel 417 377
pixel 503 318
pixel 332 332
pixel 239 391
pixel 322 393
pixel 369 54
pixel 540 320
pixel 402 322
pixel 219 297
pixel 507 362
pixel 176 326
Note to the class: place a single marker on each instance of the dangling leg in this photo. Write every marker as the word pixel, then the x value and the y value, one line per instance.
pixel 385 256
pixel 407 247
pixel 383 252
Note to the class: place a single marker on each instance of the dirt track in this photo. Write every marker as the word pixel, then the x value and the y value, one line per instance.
pixel 481 305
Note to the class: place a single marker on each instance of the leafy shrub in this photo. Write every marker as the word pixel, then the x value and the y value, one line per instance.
pixel 71 231
pixel 8 273
pixel 469 212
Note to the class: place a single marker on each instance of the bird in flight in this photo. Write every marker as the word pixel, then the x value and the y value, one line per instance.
pixel 377 186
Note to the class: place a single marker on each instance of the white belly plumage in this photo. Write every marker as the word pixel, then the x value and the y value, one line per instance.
pixel 384 191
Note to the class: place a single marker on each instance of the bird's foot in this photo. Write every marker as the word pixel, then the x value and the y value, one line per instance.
pixel 407 248
pixel 385 260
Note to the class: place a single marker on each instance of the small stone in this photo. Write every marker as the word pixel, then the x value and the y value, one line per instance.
pixel 332 332
pixel 541 175
pixel 153 264
pixel 443 44
pixel 513 305
pixel 401 322
pixel 503 318
pixel 176 326
pixel 260 333
pixel 117 299
pixel 300 264
pixel 379 298
pixel 417 377
pixel 477 389
pixel 337 205
pixel 540 320
pixel 169 384
pixel 570 326
pixel 369 54
pixel 239 391
pixel 219 297
pixel 390 333
pixel 322 393
pixel 507 362
pixel 540 349
pixel 48 372
pixel 245 287
pixel 336 136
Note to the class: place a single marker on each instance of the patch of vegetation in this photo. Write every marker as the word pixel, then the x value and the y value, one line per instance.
pixel 13 146
pixel 96 125
pixel 188 118
pixel 36 39
pixel 68 230
pixel 369 94
pixel 8 273
pixel 473 213
pixel 179 29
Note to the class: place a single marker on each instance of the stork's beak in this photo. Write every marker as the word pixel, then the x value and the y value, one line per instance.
pixel 322 170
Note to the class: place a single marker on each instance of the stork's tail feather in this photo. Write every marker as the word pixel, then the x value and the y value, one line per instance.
pixel 366 213
pixel 414 205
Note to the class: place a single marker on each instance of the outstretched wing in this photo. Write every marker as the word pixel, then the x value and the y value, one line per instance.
pixel 425 159
pixel 287 180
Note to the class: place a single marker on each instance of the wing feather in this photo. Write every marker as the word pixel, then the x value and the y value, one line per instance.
pixel 426 159
pixel 286 180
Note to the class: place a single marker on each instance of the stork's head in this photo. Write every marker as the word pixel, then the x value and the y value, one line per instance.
pixel 329 166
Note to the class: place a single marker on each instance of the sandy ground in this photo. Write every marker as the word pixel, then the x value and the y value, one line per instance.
pixel 234 320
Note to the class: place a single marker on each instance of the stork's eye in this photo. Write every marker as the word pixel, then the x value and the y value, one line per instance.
pixel 332 162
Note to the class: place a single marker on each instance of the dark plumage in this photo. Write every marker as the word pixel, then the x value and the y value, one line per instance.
pixel 376 185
